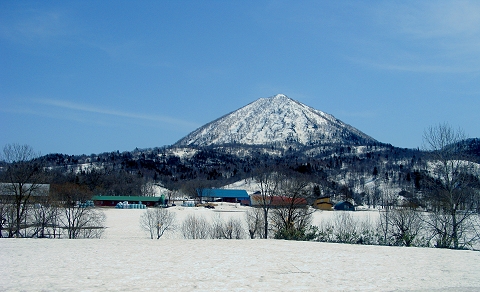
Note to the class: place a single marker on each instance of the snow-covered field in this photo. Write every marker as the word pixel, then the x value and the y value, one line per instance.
pixel 125 259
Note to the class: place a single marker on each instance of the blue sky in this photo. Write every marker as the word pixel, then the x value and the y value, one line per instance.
pixel 82 77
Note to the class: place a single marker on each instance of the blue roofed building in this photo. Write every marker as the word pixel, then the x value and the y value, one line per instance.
pixel 344 206
pixel 225 195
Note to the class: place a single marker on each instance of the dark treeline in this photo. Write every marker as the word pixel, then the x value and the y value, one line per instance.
pixel 339 169
pixel 335 167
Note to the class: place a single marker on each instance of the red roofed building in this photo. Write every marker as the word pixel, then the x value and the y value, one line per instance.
pixel 276 201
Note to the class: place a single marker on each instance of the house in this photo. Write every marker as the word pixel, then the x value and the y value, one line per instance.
pixel 225 195
pixel 112 201
pixel 344 206
pixel 323 203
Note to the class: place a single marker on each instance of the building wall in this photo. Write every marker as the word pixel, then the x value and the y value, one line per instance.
pixel 323 204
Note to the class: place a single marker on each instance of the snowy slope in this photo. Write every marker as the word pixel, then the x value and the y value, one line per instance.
pixel 126 260
pixel 276 119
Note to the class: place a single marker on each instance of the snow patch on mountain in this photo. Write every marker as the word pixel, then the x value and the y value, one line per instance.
pixel 277 119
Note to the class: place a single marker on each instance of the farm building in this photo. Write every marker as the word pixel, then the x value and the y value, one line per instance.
pixel 112 201
pixel 224 195
pixel 277 201
pixel 323 203
pixel 344 206
pixel 36 190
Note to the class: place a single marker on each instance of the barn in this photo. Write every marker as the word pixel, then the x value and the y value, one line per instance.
pixel 112 201
pixel 323 203
pixel 344 206
pixel 277 201
pixel 225 195
pixel 34 190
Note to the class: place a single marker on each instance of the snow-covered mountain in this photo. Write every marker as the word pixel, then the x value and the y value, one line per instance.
pixel 278 119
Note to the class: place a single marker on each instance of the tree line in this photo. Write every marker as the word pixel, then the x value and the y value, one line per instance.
pixel 32 207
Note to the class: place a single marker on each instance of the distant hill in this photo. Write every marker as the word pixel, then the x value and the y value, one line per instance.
pixel 471 147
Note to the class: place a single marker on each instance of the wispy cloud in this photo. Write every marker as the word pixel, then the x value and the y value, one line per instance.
pixel 30 25
pixel 417 67
pixel 433 37
pixel 439 19
pixel 111 112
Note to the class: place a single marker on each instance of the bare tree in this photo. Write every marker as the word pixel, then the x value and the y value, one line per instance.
pixel 147 188
pixel 195 227
pixel 235 229
pixel 80 222
pixel 83 222
pixel 173 189
pixel 376 193
pixel 22 180
pixel 230 229
pixel 8 216
pixel 199 189
pixel 44 219
pixel 3 213
pixel 219 230
pixel 406 224
pixel 346 228
pixel 171 194
pixel 156 221
pixel 254 218
pixel 452 188
pixel 293 215
pixel 268 183
pixel 388 200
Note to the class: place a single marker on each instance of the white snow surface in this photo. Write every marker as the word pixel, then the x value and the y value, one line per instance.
pixel 248 184
pixel 125 259
pixel 276 119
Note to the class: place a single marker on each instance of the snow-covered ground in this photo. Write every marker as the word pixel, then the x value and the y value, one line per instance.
pixel 125 259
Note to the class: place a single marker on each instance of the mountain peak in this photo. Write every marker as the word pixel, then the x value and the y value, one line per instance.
pixel 277 119
pixel 280 96
pixel 278 99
